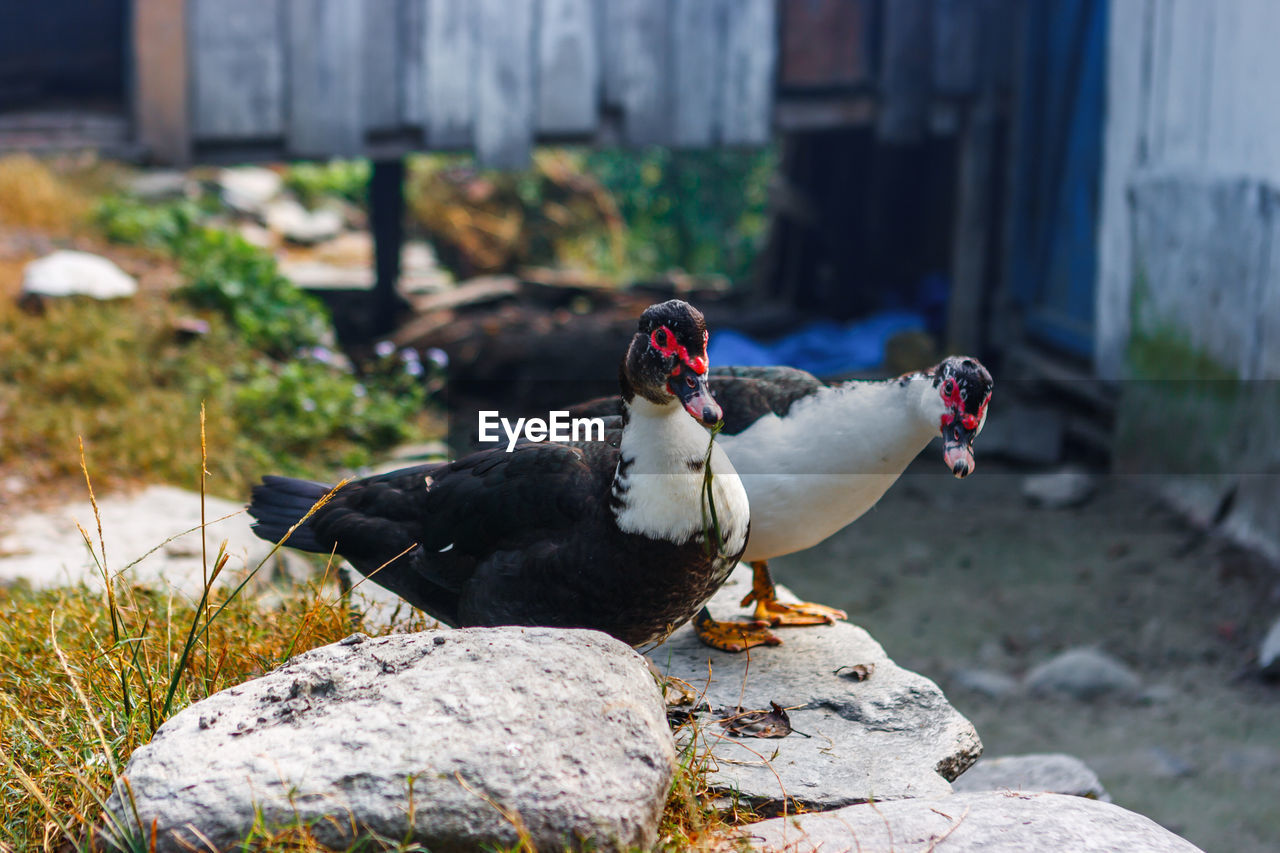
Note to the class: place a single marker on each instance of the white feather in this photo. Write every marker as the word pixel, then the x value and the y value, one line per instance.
pixel 834 455
pixel 663 494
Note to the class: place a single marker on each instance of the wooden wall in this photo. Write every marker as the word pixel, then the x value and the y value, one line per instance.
pixel 319 78
pixel 1192 96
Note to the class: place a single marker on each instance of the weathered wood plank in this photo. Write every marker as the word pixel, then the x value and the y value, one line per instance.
pixel 568 67
pixel 504 82
pixel 326 48
pixel 450 69
pixel 160 79
pixel 644 48
pixel 907 72
pixel 381 66
pixel 697 41
pixel 413 56
pixel 750 54
pixel 955 46
pixel 825 43
pixel 237 69
pixel 971 232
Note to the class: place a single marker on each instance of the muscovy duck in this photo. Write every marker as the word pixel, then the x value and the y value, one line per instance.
pixel 606 534
pixel 814 457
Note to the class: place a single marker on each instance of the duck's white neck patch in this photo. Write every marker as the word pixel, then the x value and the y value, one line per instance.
pixel 657 490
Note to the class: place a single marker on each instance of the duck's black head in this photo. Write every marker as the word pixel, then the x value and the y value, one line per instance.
pixel 668 359
pixel 965 388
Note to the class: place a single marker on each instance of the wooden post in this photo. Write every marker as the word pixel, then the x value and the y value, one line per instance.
pixel 160 79
pixel 970 267
pixel 386 219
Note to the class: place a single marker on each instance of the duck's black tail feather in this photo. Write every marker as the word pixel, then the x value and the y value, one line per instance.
pixel 278 503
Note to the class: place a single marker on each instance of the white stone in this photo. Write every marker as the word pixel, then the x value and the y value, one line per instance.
pixel 70 273
pixel 890 736
pixel 295 223
pixel 161 184
pixel 1083 673
pixel 562 730
pixel 247 189
pixel 1053 773
pixel 987 822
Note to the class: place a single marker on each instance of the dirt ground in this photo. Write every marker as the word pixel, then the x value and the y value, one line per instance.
pixel 952 575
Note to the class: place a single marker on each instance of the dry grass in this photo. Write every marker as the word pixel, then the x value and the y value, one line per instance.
pixel 35 196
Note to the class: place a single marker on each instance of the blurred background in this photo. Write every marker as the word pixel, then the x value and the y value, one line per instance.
pixel 336 222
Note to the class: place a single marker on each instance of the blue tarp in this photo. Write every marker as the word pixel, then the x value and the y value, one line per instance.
pixel 822 348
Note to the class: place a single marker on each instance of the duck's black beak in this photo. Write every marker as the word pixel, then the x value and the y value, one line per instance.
pixel 695 395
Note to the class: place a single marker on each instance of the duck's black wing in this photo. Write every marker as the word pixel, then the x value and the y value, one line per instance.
pixel 746 394
pixel 421 532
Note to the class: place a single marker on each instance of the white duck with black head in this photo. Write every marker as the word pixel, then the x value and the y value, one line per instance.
pixel 814 457
pixel 606 535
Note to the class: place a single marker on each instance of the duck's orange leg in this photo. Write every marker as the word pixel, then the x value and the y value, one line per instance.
pixel 732 636
pixel 771 611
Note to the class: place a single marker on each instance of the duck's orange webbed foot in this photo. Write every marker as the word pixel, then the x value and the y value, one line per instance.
pixel 732 636
pixel 771 611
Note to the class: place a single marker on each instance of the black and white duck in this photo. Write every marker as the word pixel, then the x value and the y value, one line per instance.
pixel 607 535
pixel 814 457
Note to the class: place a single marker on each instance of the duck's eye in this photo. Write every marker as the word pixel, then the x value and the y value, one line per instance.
pixel 690 381
pixel 949 388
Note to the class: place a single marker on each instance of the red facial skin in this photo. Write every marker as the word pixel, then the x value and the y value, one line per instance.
pixel 670 346
pixel 954 403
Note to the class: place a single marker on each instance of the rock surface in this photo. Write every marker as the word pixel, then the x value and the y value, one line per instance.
pixel 988 822
pixel 1052 773
pixel 988 682
pixel 890 736
pixel 158 527
pixel 1059 489
pixel 562 731
pixel 70 273
pixel 1083 673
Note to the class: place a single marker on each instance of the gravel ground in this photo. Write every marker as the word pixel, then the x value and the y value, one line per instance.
pixel 958 577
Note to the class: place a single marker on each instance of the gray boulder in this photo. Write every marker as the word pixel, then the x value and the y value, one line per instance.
pixel 1061 489
pixel 1053 773
pixel 1083 673
pixel 452 739
pixel 988 822
pixel 70 273
pixel 889 736
pixel 1269 651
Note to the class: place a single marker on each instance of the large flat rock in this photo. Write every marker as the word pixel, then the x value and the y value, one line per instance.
pixel 445 738
pixel 155 529
pixel 890 736
pixel 989 822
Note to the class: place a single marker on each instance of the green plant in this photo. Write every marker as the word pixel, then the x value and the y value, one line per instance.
pixel 225 272
pixel 300 405
pixel 312 183
pixel 699 211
